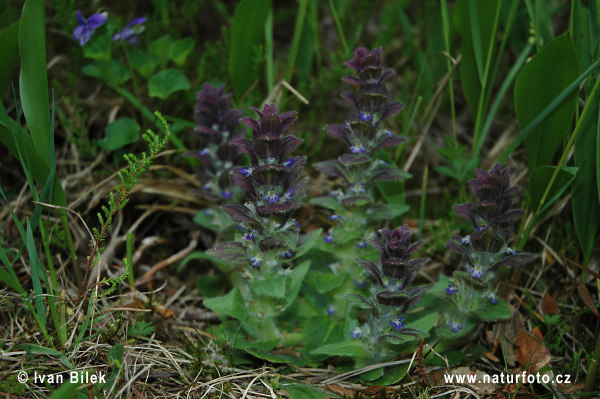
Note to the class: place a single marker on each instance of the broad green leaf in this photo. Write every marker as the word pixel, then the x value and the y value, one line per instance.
pixel 144 63
pixel 540 177
pixel 9 54
pixel 119 133
pixel 474 20
pixel 225 266
pixel 33 349
pixel 325 282
pixel 99 46
pixel 353 348
pixel 387 211
pixel 392 192
pixel 392 375
pixel 211 286
pixel 490 312
pixel 286 358
pixel 303 391
pixel 297 277
pixel 307 242
pixel 33 81
pixel 327 202
pixel 584 33
pixel 161 48
pixel 166 82
pixel 113 72
pixel 180 49
pixel 536 86
pixel 273 287
pixel 247 33
pixel 586 209
pixel 233 305
pixel 69 390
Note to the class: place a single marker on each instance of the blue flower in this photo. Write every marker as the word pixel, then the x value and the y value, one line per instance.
pixel 131 31
pixel 358 148
pixel 360 283
pixel 451 289
pixel 465 240
pixel 84 31
pixel 227 194
pixel 476 271
pixel 356 333
pixel 493 298
pixel 205 152
pixel 331 310
pixel 289 162
pixel 388 133
pixel 397 322
pixel 246 171
pixel 297 224
pixel 272 197
pixel 288 194
pixel 257 259
pixel 328 238
pixel 361 244
pixel 510 251
pixel 207 212
pixel 239 227
pixel 365 116
pixel 455 325
pixel 357 188
pixel 249 236
pixel 335 217
pixel 481 227
pixel 286 254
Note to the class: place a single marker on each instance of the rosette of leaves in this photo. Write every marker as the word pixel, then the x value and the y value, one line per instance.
pixel 269 236
pixel 391 295
pixel 484 251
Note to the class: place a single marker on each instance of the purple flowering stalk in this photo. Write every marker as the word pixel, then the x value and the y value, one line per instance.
pixel 269 235
pixel 354 212
pixel 392 293
pixel 484 251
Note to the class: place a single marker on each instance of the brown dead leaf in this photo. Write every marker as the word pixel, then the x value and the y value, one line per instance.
pixel 480 386
pixel 531 352
pixel 587 298
pixel 345 392
pixel 538 333
pixel 549 305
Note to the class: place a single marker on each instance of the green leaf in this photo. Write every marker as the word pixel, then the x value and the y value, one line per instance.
pixel 9 54
pixel 115 354
pixel 490 312
pixel 141 329
pixel 224 266
pixel 247 32
pixel 232 304
pixel 33 79
pixel 143 62
pixel 536 86
pixel 69 390
pixel 327 202
pixel 99 46
pixel 180 49
pixel 161 48
pixel 586 208
pixel 302 391
pixel 119 133
pixel 113 72
pixel 211 286
pixel 387 211
pixel 307 241
pixel 325 282
pixel 274 287
pixel 539 182
pixel 297 277
pixel 391 375
pixel 392 192
pixel 33 349
pixel 353 348
pixel 166 82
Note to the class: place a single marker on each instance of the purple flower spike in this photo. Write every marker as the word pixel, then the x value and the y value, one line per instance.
pixel 455 325
pixel 356 333
pixel 328 238
pixel 363 116
pixel 131 31
pixel 84 31
pixel 396 322
pixel 451 289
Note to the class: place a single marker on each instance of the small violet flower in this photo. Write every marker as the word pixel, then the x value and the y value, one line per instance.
pixel 86 27
pixel 361 244
pixel 331 310
pixel 481 227
pixel 289 194
pixel 465 240
pixel 335 217
pixel 365 116
pixel 227 194
pixel 249 236
pixel 455 325
pixel 257 259
pixel 328 238
pixel 131 31
pixel 272 197
pixel 357 188
pixel 356 333
pixel 246 171
pixel 493 298
pixel 286 254
pixel 397 322
pixel 239 227
pixel 358 148
pixel 290 162
pixel 204 153
pixel 510 251
pixel 476 271
pixel 451 289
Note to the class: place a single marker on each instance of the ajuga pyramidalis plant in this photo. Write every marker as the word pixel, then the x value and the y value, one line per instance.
pixel 391 294
pixel 216 124
pixel 269 237
pixel 354 212
pixel 484 252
